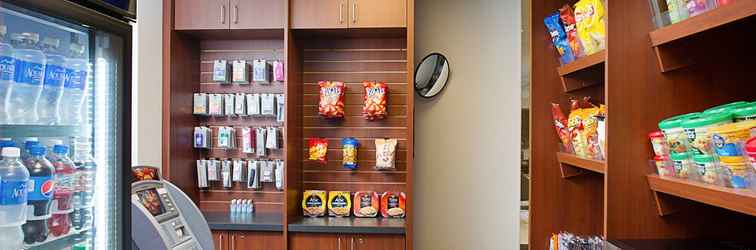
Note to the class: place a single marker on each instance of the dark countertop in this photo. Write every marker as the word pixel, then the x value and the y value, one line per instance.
pixel 671 244
pixel 348 225
pixel 270 222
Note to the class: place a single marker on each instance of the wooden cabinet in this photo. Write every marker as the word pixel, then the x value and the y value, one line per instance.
pixel 322 241
pixel 220 240
pixel 377 13
pixel 319 14
pixel 201 14
pixel 257 14
pixel 334 14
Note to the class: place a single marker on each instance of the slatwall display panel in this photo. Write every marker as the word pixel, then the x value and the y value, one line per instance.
pixel 353 61
pixel 216 197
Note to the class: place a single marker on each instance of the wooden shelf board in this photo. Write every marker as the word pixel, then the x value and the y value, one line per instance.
pixel 582 63
pixel 583 72
pixel 743 201
pixel 711 19
pixel 572 165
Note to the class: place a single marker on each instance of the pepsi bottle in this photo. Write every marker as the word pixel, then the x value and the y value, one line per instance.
pixel 42 184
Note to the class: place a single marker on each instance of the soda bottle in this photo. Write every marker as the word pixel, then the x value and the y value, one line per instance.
pixel 29 73
pixel 82 218
pixel 35 231
pixel 85 177
pixel 59 224
pixel 6 142
pixel 29 142
pixel 75 85
pixel 52 87
pixel 13 197
pixel 7 72
pixel 41 186
pixel 64 179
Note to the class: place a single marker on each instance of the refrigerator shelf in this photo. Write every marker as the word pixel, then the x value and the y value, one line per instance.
pixel 14 131
pixel 60 242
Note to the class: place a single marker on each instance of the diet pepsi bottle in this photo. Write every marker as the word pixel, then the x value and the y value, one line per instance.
pixel 75 85
pixel 52 87
pixel 7 66
pixel 29 74
pixel 13 197
pixel 64 179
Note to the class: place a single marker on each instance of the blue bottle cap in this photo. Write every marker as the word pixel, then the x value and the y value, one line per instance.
pixel 29 144
pixel 60 149
pixel 7 143
pixel 37 150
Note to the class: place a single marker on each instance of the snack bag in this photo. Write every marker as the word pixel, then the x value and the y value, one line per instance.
pixel 366 204
pixel 591 29
pixel 559 38
pixel 318 149
pixel 575 126
pixel 331 99
pixel 349 147
pixel 314 203
pixel 376 94
pixel 695 7
pixel 568 21
pixel 590 132
pixel 385 153
pixel 392 204
pixel 560 124
pixel 339 203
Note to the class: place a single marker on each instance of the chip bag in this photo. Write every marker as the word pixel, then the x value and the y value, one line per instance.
pixel 385 153
pixel 331 99
pixel 366 204
pixel 559 38
pixel 568 21
pixel 349 147
pixel 318 149
pixel 376 94
pixel 392 204
pixel 591 28
pixel 560 124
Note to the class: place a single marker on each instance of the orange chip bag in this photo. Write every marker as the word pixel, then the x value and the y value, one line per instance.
pixel 318 149
pixel 376 95
pixel 331 99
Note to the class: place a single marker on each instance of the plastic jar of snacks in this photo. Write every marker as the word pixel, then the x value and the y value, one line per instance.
pixel 664 166
pixel 708 168
pixel 697 130
pixel 677 141
pixel 681 163
pixel 728 139
pixel 658 143
pixel 750 150
pixel 736 173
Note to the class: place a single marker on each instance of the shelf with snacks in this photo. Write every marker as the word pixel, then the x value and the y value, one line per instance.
pixel 583 72
pixel 674 43
pixel 739 200
pixel 572 165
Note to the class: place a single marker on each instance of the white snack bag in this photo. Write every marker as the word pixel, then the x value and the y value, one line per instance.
pixel 202 173
pixel 260 141
pixel 385 153
pixel 238 172
pixel 228 104
pixel 253 174
pixel 212 170
pixel 240 105
pixel 215 104
pixel 279 174
pixel 253 104
pixel 199 106
pixel 271 141
pixel 240 72
pixel 280 100
pixel 247 136
pixel 220 71
pixel 268 105
pixel 260 71
pixel 267 171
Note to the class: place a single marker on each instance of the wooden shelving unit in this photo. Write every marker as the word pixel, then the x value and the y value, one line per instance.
pixel 739 200
pixel 583 72
pixel 572 165
pixel 669 43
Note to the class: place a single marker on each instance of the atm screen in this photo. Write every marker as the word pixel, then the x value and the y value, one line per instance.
pixel 151 200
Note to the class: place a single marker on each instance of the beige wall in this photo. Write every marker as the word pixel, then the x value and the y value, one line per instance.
pixel 467 139
pixel 147 94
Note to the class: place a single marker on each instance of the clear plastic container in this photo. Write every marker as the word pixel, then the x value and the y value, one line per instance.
pixel 14 178
pixel 29 74
pixel 75 86
pixel 7 65
pixel 52 88
pixel 64 180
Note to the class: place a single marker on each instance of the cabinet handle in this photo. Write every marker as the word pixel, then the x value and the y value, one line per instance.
pixel 233 241
pixel 220 241
pixel 339 243
pixel 341 13
pixel 354 13
pixel 236 13
pixel 223 14
pixel 352 244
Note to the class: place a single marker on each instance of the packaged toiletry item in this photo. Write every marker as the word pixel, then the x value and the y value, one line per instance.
pixel 228 104
pixel 240 105
pixel 240 72
pixel 202 173
pixel 200 104
pixel 261 71
pixel 260 134
pixel 253 104
pixel 268 105
pixel 278 71
pixel 220 71
pixel 215 103
pixel 253 174
pixel 247 140
pixel 280 101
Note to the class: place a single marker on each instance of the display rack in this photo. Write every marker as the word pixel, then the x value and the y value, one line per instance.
pixel 583 72
pixel 739 200
pixel 572 165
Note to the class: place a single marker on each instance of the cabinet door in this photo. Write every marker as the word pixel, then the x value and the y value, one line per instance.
pixel 220 240
pixel 201 14
pixel 377 242
pixel 319 14
pixel 377 13
pixel 257 14
pixel 256 241
pixel 315 241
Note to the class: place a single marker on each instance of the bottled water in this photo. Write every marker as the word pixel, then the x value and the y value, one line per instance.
pixel 7 65
pixel 14 178
pixel 75 85
pixel 52 87
pixel 29 73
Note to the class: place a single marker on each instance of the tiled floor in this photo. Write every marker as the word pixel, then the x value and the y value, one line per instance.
pixel 524 226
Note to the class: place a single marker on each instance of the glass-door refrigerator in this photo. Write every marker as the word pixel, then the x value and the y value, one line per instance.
pixel 65 77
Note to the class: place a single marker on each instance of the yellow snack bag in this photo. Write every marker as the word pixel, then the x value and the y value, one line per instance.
pixel 589 18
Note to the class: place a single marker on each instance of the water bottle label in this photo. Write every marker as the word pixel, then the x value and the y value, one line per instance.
pixel 75 79
pixel 29 72
pixel 41 188
pixel 13 192
pixel 7 68
pixel 54 75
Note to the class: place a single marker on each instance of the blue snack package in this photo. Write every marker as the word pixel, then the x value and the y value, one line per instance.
pixel 349 146
pixel 559 38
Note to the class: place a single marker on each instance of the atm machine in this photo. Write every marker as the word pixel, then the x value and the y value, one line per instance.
pixel 163 217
